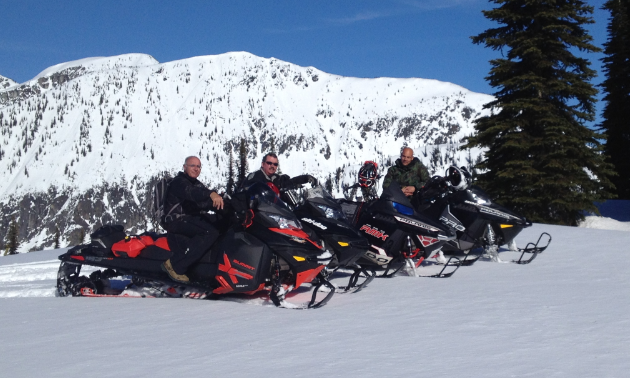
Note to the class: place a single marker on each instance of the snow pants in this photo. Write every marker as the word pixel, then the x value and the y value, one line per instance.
pixel 189 238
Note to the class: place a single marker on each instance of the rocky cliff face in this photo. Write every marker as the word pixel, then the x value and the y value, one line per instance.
pixel 5 82
pixel 83 141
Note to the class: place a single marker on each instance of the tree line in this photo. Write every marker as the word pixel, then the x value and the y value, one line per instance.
pixel 541 158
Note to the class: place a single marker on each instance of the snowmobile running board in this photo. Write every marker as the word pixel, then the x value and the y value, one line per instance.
pixel 532 248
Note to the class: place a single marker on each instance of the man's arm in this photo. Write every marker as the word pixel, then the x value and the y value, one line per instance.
pixel 185 191
pixel 389 177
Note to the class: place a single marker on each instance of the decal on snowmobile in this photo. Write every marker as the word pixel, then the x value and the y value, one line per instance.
pixel 314 223
pixel 452 223
pixel 373 232
pixel 232 272
pixel 426 240
pixel 381 258
pixel 243 264
pixel 415 223
pixel 491 211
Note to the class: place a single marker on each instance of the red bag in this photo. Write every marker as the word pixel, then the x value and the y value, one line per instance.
pixel 131 246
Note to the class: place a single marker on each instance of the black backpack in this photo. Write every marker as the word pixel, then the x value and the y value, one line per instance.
pixel 158 206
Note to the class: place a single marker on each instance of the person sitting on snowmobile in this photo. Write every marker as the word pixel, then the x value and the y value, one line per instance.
pixel 409 172
pixel 190 230
pixel 267 174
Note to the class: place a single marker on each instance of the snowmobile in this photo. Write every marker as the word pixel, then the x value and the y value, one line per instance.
pixel 317 208
pixel 399 236
pixel 479 223
pixel 269 251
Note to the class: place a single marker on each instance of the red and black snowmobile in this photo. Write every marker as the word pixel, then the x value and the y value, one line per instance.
pixel 269 251
pixel 482 226
pixel 399 236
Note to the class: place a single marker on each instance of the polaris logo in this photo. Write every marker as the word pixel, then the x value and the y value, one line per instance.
pixel 314 223
pixel 416 223
pixel 373 232
pixel 452 223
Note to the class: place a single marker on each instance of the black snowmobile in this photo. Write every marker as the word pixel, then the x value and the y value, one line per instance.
pixel 268 251
pixel 399 236
pixel 323 214
pixel 481 225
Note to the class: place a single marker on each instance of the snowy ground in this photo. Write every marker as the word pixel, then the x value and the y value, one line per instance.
pixel 564 315
pixel 615 215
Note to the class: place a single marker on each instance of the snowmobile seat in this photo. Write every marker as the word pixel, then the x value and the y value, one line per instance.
pixel 106 236
pixel 154 252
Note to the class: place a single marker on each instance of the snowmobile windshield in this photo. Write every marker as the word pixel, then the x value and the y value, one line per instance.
pixel 479 195
pixel 264 199
pixel 394 193
pixel 318 192
pixel 320 198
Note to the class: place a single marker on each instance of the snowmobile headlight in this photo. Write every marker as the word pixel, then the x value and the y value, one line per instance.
pixel 330 212
pixel 284 223
pixel 402 208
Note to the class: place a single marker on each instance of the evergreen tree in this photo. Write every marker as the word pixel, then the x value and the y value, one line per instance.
pixel 230 181
pixel 81 235
pixel 616 123
pixel 242 166
pixel 12 236
pixel 541 159
pixel 57 237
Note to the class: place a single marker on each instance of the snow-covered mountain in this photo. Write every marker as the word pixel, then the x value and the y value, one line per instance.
pixel 5 82
pixel 83 141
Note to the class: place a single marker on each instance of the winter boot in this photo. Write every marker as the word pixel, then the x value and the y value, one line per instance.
pixel 168 268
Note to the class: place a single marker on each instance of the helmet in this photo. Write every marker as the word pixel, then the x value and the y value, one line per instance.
pixel 459 177
pixel 367 174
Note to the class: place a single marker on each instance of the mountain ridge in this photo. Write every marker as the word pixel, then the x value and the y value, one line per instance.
pixel 120 122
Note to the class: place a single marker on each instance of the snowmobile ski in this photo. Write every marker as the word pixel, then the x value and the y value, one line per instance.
pixel 278 295
pixel 532 248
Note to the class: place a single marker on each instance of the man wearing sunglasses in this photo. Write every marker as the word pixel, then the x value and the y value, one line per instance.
pixel 190 229
pixel 267 173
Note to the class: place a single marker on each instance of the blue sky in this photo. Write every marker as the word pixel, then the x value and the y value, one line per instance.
pixel 406 38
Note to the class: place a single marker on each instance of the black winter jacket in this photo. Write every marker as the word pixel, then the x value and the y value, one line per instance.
pixel 187 196
pixel 281 181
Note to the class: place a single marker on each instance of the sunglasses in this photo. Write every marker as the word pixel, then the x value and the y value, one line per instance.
pixel 270 163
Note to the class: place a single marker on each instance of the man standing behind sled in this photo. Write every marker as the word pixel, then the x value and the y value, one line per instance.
pixel 190 232
pixel 409 172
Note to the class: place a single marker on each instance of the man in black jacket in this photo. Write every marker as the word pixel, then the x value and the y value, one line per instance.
pixel 267 173
pixel 190 232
